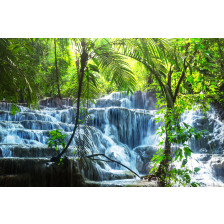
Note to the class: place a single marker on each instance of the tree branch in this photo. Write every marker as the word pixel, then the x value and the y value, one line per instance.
pixel 184 71
pixel 169 82
pixel 180 80
pixel 93 155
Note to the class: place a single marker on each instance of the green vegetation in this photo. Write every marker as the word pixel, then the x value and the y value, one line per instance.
pixel 177 135
pixel 18 73
pixel 56 139
pixel 183 72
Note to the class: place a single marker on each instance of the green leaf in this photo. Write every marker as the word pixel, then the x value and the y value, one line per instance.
pixel 195 184
pixel 199 78
pixel 191 80
pixel 184 162
pixel 201 96
pixel 57 139
pixel 196 169
pixel 187 152
pixel 14 109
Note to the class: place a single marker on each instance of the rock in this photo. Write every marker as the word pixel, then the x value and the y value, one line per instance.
pixel 34 172
pixel 148 167
pixel 139 163
pixel 56 102
pixel 96 170
pixel 101 103
pixel 204 150
pixel 218 167
pixel 205 157
pixel 120 154
pixel 144 155
pixel 219 108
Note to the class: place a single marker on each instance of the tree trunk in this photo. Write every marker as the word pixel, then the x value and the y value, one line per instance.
pixel 165 164
pixel 56 68
pixel 81 73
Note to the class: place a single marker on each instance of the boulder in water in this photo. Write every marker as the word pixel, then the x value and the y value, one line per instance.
pixel 218 167
pixel 144 155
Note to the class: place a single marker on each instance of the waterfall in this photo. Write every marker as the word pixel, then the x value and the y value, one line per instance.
pixel 121 127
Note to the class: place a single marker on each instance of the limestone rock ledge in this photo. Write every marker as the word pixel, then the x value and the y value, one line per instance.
pixel 36 172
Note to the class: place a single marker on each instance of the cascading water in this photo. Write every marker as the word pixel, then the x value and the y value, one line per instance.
pixel 208 151
pixel 123 128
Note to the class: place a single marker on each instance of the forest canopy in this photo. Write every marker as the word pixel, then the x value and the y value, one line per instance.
pixel 34 68
pixel 184 72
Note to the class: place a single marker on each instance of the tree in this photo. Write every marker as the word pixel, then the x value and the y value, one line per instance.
pixel 53 60
pixel 56 68
pixel 170 62
pixel 17 79
pixel 185 71
pixel 96 55
pixel 210 65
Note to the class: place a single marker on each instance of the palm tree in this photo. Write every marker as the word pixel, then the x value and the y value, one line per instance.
pixel 162 59
pixel 97 55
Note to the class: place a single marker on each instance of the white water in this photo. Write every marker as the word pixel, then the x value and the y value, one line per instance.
pixel 123 128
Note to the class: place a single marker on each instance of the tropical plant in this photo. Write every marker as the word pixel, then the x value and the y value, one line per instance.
pixel 179 135
pixel 56 139
pixel 17 79
pixel 53 59
pixel 96 56
pixel 184 72
pixel 170 63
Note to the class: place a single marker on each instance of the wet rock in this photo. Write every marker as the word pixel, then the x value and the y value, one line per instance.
pixel 138 100
pixel 219 108
pixel 98 171
pixel 218 167
pixel 36 173
pixel 40 125
pixel 204 150
pixel 101 103
pixel 27 151
pixel 119 124
pixel 205 157
pixel 56 102
pixel 120 154
pixel 130 126
pixel 144 155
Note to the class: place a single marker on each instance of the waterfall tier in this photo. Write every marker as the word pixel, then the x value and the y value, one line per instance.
pixel 123 128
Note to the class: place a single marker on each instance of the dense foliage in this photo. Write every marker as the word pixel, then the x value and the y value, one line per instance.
pixel 44 67
pixel 183 72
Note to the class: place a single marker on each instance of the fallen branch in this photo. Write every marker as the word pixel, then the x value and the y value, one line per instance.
pixel 93 155
pixel 108 161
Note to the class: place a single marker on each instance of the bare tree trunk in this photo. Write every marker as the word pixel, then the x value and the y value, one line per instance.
pixel 84 59
pixel 56 68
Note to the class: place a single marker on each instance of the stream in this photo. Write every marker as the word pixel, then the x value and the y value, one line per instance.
pixel 123 128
